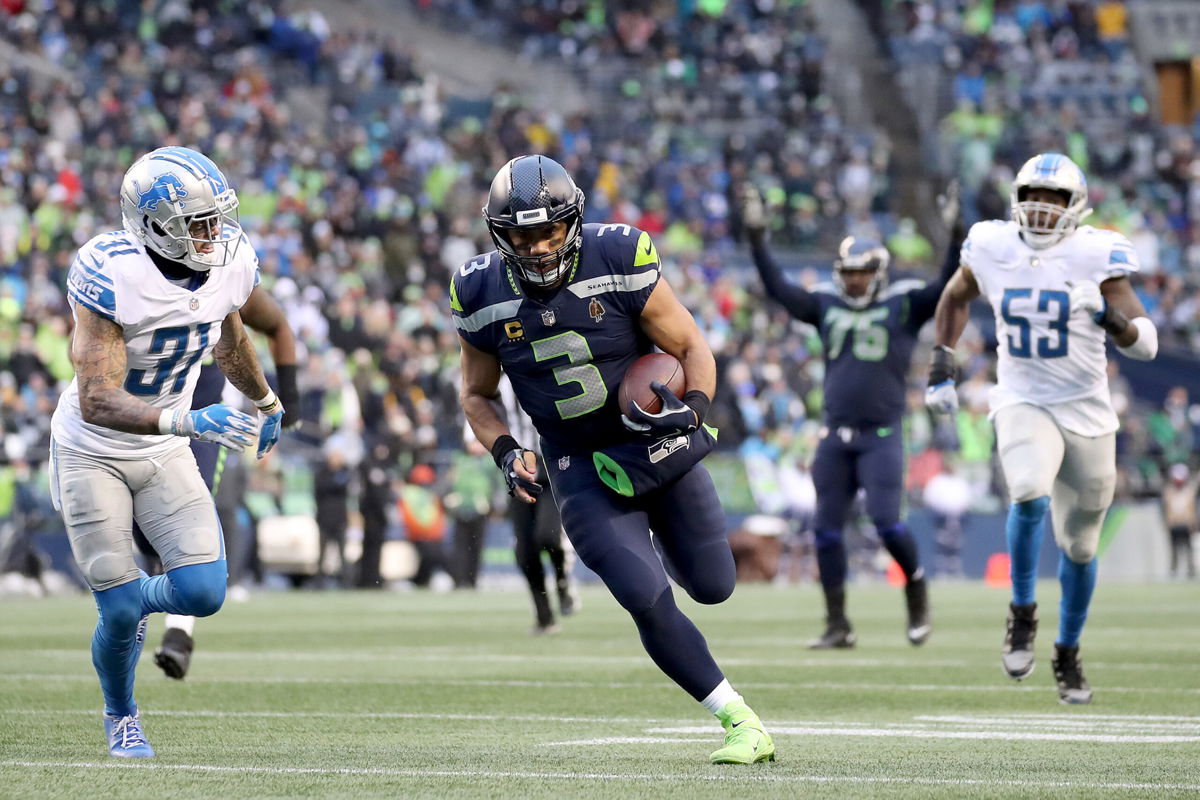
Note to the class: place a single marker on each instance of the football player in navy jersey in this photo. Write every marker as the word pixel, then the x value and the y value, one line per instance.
pixel 868 328
pixel 564 308
pixel 263 314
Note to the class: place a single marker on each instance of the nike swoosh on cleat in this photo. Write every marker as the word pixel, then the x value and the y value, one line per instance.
pixel 734 725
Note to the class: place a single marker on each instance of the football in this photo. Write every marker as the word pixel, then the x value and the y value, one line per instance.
pixel 635 386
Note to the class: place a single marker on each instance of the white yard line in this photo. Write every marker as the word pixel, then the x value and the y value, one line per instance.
pixel 926 733
pixel 458 654
pixel 741 776
pixel 999 686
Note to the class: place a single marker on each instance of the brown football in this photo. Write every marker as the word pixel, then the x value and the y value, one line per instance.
pixel 635 386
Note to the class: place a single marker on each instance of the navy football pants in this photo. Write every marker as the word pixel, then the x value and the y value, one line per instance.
pixel 611 535
pixel 866 460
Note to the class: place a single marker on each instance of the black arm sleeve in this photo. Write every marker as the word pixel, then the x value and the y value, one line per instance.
pixel 924 300
pixel 799 302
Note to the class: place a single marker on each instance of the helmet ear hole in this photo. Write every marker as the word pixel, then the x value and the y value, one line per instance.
pixel 154 226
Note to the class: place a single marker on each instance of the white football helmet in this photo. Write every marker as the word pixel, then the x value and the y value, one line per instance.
pixel 1044 224
pixel 178 203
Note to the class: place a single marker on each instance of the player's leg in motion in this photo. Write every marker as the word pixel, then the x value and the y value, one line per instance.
pixel 96 502
pixel 834 479
pixel 529 560
pixel 880 471
pixel 611 536
pixel 1031 452
pixel 1082 495
pixel 551 540
pixel 174 655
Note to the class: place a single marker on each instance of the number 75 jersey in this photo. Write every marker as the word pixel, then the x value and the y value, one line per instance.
pixel 168 331
pixel 1048 356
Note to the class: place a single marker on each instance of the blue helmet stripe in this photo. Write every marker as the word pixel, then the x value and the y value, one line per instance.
pixel 170 159
pixel 201 162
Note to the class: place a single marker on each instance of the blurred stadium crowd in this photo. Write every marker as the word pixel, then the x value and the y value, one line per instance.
pixel 360 183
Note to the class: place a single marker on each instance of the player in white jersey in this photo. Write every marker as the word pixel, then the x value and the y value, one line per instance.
pixel 150 302
pixel 1057 289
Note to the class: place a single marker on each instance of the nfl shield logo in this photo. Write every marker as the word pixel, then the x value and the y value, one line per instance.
pixel 193 304
pixel 563 463
pixel 548 316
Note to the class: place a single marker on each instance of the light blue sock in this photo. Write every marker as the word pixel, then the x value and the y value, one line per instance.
pixel 1024 528
pixel 195 591
pixel 115 649
pixel 1078 582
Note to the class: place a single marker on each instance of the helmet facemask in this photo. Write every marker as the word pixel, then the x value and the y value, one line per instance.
pixel 544 270
pixel 1045 223
pixel 861 257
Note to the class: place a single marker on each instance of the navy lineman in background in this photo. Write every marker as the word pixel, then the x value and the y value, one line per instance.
pixel 563 309
pixel 868 329
pixel 263 314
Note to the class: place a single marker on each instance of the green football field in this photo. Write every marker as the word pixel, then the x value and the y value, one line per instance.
pixel 447 695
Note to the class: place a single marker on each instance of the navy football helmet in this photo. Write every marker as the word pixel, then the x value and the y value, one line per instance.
pixel 534 192
pixel 857 254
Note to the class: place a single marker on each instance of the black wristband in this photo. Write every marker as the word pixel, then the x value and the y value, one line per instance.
pixel 943 367
pixel 1113 321
pixel 697 401
pixel 501 447
pixel 289 391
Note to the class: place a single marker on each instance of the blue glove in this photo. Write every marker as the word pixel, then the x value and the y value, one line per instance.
pixel 216 423
pixel 673 419
pixel 272 411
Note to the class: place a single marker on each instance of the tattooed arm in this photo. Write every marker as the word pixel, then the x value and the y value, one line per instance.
pixel 98 354
pixel 235 356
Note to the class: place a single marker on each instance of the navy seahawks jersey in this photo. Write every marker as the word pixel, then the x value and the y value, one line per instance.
pixel 867 350
pixel 566 354
pixel 210 386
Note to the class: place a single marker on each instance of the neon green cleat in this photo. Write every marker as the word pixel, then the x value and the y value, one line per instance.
pixel 746 741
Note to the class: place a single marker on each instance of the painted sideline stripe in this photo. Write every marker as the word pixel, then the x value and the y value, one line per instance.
pixel 1088 721
pixel 925 733
pixel 1057 728
pixel 738 776
pixel 457 655
pixel 197 680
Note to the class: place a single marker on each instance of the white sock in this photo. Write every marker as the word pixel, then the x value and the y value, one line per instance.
pixel 180 622
pixel 718 697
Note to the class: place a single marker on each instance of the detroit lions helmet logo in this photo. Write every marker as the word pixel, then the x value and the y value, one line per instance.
pixel 165 188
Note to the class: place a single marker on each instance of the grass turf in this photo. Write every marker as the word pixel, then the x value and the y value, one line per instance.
pixel 422 695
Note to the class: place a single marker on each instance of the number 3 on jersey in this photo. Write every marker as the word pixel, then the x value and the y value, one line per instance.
pixel 1020 346
pixel 580 370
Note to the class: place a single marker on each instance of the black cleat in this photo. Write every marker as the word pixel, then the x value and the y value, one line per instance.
pixel 1073 688
pixel 1021 630
pixel 916 596
pixel 838 636
pixel 174 655
pixel 568 598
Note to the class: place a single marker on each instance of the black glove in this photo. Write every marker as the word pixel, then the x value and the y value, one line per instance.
pixel 676 416
pixel 289 395
pixel 514 480
pixel 505 452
